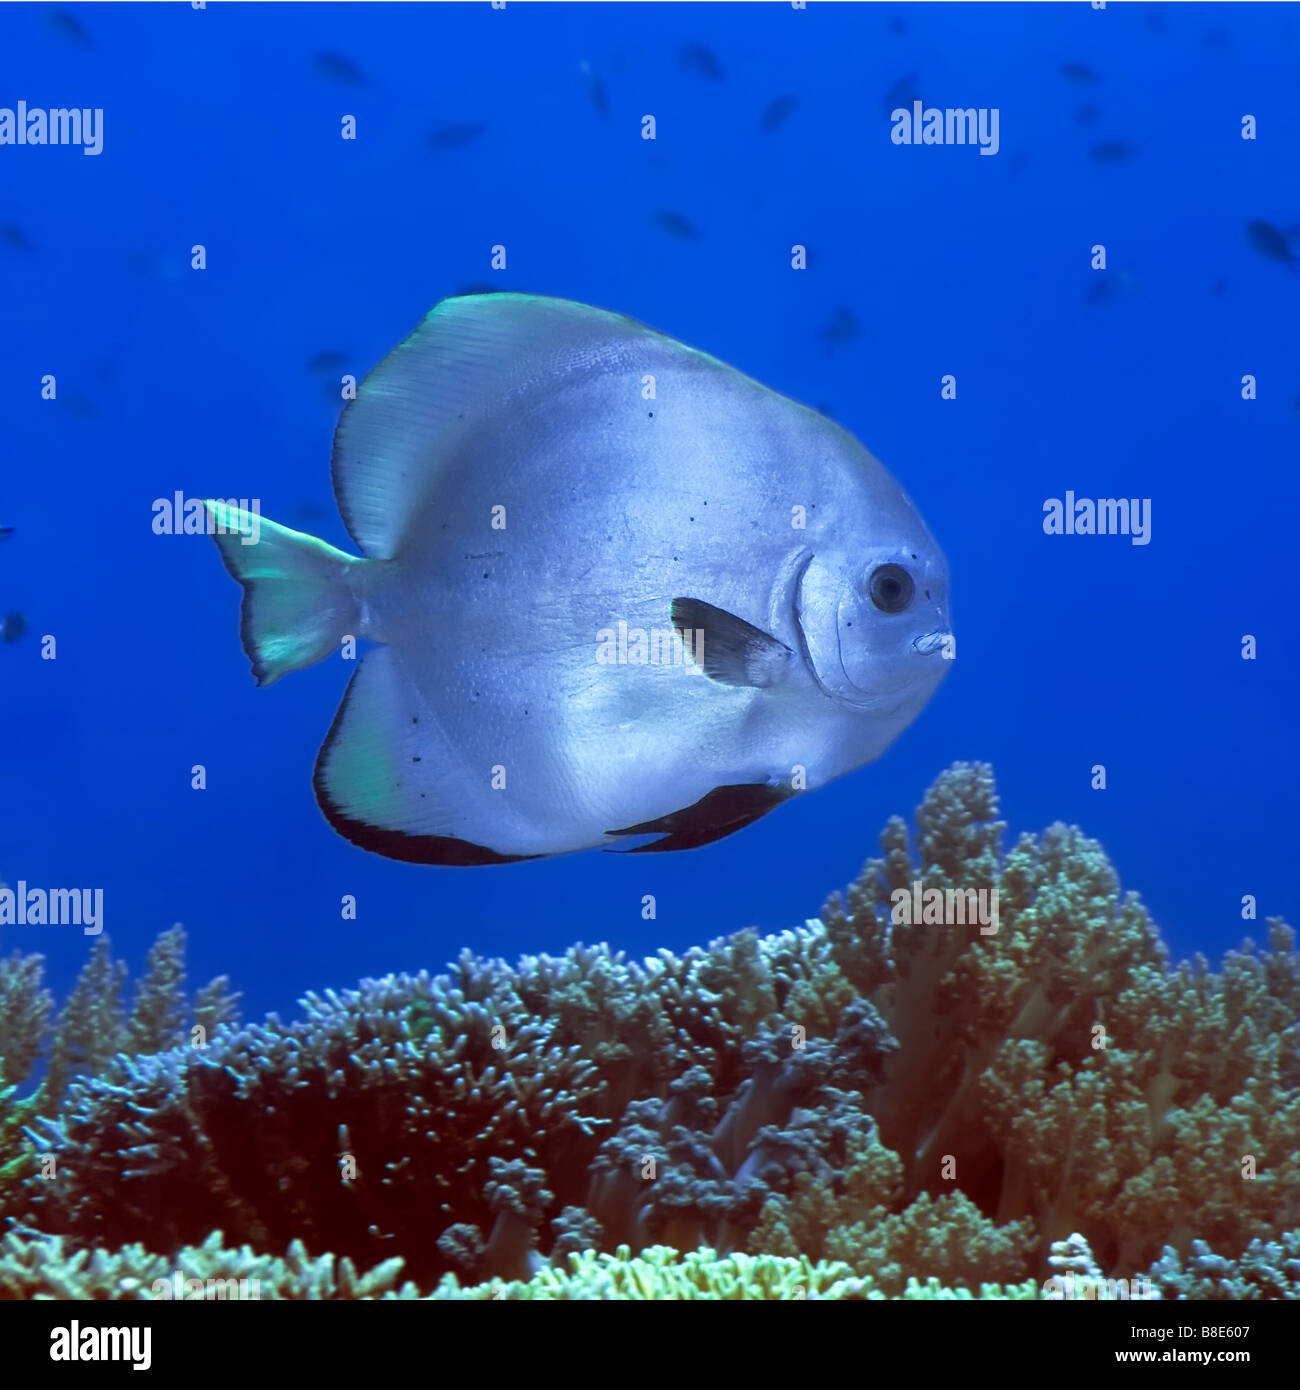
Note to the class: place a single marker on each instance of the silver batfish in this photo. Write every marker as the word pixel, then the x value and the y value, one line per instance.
pixel 619 593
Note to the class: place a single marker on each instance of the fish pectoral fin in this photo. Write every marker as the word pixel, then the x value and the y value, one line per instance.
pixel 731 651
pixel 715 815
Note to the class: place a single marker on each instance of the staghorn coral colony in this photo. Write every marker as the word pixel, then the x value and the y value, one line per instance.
pixel 859 1108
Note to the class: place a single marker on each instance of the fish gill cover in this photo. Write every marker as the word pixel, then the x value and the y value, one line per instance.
pixel 624 399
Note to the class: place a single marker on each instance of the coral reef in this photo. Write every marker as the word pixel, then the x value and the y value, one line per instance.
pixel 46 1267
pixel 663 1272
pixel 882 1103
pixel 91 1029
pixel 42 1267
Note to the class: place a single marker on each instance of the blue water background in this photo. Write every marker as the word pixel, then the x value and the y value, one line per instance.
pixel 220 130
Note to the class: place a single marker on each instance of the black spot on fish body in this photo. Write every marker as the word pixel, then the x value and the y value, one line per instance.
pixel 1111 152
pixel 715 815
pixel 1080 73
pixel 339 68
pixel 455 135
pixel 695 57
pixel 1270 242
pixel 778 111
pixel 675 225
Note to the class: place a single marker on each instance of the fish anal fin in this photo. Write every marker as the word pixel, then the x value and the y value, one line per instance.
pixel 389 783
pixel 714 816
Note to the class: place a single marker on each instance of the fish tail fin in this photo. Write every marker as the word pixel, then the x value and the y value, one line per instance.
pixel 298 600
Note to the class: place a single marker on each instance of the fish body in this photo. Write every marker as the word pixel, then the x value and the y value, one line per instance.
pixel 527 513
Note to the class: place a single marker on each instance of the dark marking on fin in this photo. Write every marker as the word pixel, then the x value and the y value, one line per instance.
pixel 416 849
pixel 714 816
pixel 735 652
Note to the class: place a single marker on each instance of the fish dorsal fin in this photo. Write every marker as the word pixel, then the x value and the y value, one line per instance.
pixel 416 409
pixel 734 652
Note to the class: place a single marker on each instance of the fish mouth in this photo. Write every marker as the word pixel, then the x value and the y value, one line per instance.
pixel 931 641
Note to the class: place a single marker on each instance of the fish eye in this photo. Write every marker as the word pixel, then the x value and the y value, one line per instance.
pixel 891 588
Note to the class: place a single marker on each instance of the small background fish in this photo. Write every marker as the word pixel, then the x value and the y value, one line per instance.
pixel 455 135
pixel 701 59
pixel 339 68
pixel 675 225
pixel 1269 242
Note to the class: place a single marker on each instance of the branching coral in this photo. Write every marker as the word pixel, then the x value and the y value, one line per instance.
pixel 47 1267
pixel 925 1104
pixel 92 1028
pixel 158 1015
pixel 24 1015
pixel 90 1031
